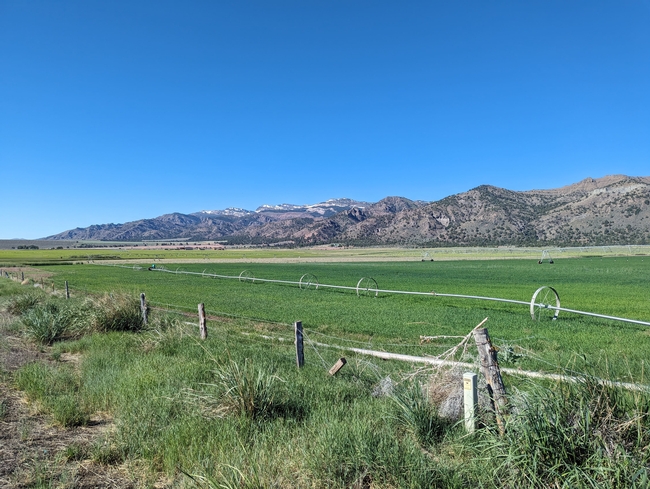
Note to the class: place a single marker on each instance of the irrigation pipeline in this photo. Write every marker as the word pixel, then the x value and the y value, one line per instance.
pixel 377 291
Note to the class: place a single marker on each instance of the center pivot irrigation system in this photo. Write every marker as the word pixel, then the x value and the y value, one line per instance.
pixel 544 304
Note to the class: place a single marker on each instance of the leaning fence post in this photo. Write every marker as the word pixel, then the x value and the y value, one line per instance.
pixel 490 369
pixel 202 327
pixel 300 352
pixel 471 400
pixel 67 290
pixel 143 309
pixel 338 366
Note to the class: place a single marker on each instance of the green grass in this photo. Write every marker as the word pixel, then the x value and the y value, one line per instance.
pixel 234 411
pixel 611 286
pixel 56 391
pixel 573 435
pixel 47 319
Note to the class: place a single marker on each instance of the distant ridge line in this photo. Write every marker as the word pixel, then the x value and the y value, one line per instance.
pixel 611 210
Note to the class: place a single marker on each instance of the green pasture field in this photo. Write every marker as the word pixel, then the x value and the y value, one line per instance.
pixel 616 286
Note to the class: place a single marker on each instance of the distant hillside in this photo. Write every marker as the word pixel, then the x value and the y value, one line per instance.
pixel 610 210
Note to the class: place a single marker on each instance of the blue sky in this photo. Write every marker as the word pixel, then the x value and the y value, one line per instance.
pixel 112 111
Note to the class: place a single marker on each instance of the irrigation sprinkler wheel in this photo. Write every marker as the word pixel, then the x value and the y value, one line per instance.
pixel 545 304
pixel 247 276
pixel 307 281
pixel 367 286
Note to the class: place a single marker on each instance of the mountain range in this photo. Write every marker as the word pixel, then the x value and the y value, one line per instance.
pixel 611 210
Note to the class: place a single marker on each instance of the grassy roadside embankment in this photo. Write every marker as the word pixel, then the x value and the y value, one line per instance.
pixel 233 411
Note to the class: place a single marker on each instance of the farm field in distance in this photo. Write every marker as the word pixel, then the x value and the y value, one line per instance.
pixel 195 252
pixel 615 286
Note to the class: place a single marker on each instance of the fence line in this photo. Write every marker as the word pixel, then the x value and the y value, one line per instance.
pixel 437 361
pixel 451 363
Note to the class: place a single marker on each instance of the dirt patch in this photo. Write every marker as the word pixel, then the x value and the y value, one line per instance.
pixel 33 275
pixel 33 452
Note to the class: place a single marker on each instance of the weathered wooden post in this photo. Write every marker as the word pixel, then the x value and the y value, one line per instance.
pixel 489 367
pixel 471 400
pixel 300 352
pixel 22 276
pixel 202 327
pixel 67 290
pixel 338 366
pixel 143 309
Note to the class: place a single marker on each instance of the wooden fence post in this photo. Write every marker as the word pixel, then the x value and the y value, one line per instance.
pixel 67 290
pixel 471 400
pixel 22 276
pixel 490 369
pixel 300 352
pixel 202 327
pixel 338 366
pixel 143 309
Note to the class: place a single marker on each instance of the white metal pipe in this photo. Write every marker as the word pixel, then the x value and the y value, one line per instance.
pixel 404 292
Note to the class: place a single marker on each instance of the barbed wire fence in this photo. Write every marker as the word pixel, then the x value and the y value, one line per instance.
pixel 367 286
pixel 545 299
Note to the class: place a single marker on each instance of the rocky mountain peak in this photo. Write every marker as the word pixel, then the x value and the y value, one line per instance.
pixel 610 210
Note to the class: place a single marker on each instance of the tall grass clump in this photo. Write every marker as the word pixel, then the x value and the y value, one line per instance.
pixel 52 321
pixel 418 415
pixel 22 303
pixel 115 312
pixel 243 390
pixel 583 434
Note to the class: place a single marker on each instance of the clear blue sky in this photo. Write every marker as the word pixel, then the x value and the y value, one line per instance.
pixel 112 111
